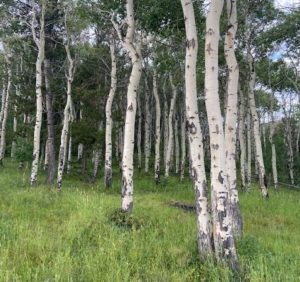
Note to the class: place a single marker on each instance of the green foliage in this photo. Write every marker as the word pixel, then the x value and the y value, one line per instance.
pixel 24 150
pixel 124 219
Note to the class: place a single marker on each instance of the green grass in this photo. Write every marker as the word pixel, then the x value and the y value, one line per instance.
pixel 45 236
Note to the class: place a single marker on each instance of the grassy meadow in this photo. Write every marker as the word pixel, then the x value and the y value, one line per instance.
pixel 46 236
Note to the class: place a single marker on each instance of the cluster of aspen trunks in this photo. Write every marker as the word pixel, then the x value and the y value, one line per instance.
pixel 166 113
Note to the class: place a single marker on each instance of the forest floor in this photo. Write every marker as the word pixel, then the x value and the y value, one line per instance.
pixel 69 236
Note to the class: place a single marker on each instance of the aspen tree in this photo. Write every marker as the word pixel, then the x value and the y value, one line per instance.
pixel 68 111
pixel 157 128
pixel 170 127
pixel 134 52
pixel 139 132
pixel 8 57
pixel 108 115
pixel 194 132
pixel 222 230
pixel 231 117
pixel 50 155
pixel 255 122
pixel 147 141
pixel 183 143
pixel 40 43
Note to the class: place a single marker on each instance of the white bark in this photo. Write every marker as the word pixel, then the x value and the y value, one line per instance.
pixel 177 149
pixel 8 62
pixel 194 132
pixel 170 126
pixel 157 128
pixel 165 121
pixel 134 53
pixel 147 126
pixel 183 144
pixel 108 114
pixel 273 148
pixel 139 133
pixel 40 43
pixel 222 229
pixel 69 164
pixel 231 118
pixel 249 149
pixel 242 141
pixel 68 114
pixel 255 121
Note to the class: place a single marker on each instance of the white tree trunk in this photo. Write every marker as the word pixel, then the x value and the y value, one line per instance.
pixel 222 229
pixel 147 126
pixel 183 143
pixel 242 141
pixel 255 121
pixel 157 128
pixel 289 148
pixel 194 132
pixel 3 95
pixel 177 149
pixel 273 148
pixel 108 126
pixel 166 126
pixel 8 62
pixel 139 133
pixel 40 43
pixel 69 164
pixel 135 55
pixel 231 118
pixel 249 149
pixel 68 115
pixel 170 126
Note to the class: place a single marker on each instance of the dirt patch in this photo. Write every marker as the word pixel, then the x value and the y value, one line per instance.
pixel 183 206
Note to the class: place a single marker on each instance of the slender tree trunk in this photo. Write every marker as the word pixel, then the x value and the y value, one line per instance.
pixel 69 164
pixel 170 126
pixel 139 133
pixel 68 116
pixel 273 148
pixel 222 229
pixel 242 141
pixel 147 126
pixel 249 149
pixel 157 128
pixel 255 121
pixel 108 127
pixel 231 118
pixel 289 147
pixel 194 132
pixel 4 83
pixel 177 149
pixel 166 126
pixel 15 125
pixel 51 167
pixel 40 43
pixel 7 56
pixel 134 53
pixel 183 143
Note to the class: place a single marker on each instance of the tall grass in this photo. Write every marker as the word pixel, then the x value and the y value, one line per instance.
pixel 46 236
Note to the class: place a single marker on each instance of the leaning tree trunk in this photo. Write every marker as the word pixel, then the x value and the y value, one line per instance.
pixel 231 118
pixel 222 230
pixel 51 169
pixel 157 128
pixel 255 121
pixel 40 43
pixel 134 53
pixel 6 103
pixel 147 141
pixel 108 126
pixel 170 126
pixel 194 132
pixel 68 117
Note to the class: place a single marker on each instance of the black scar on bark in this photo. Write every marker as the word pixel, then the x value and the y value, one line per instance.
pixel 220 177
pixel 130 108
